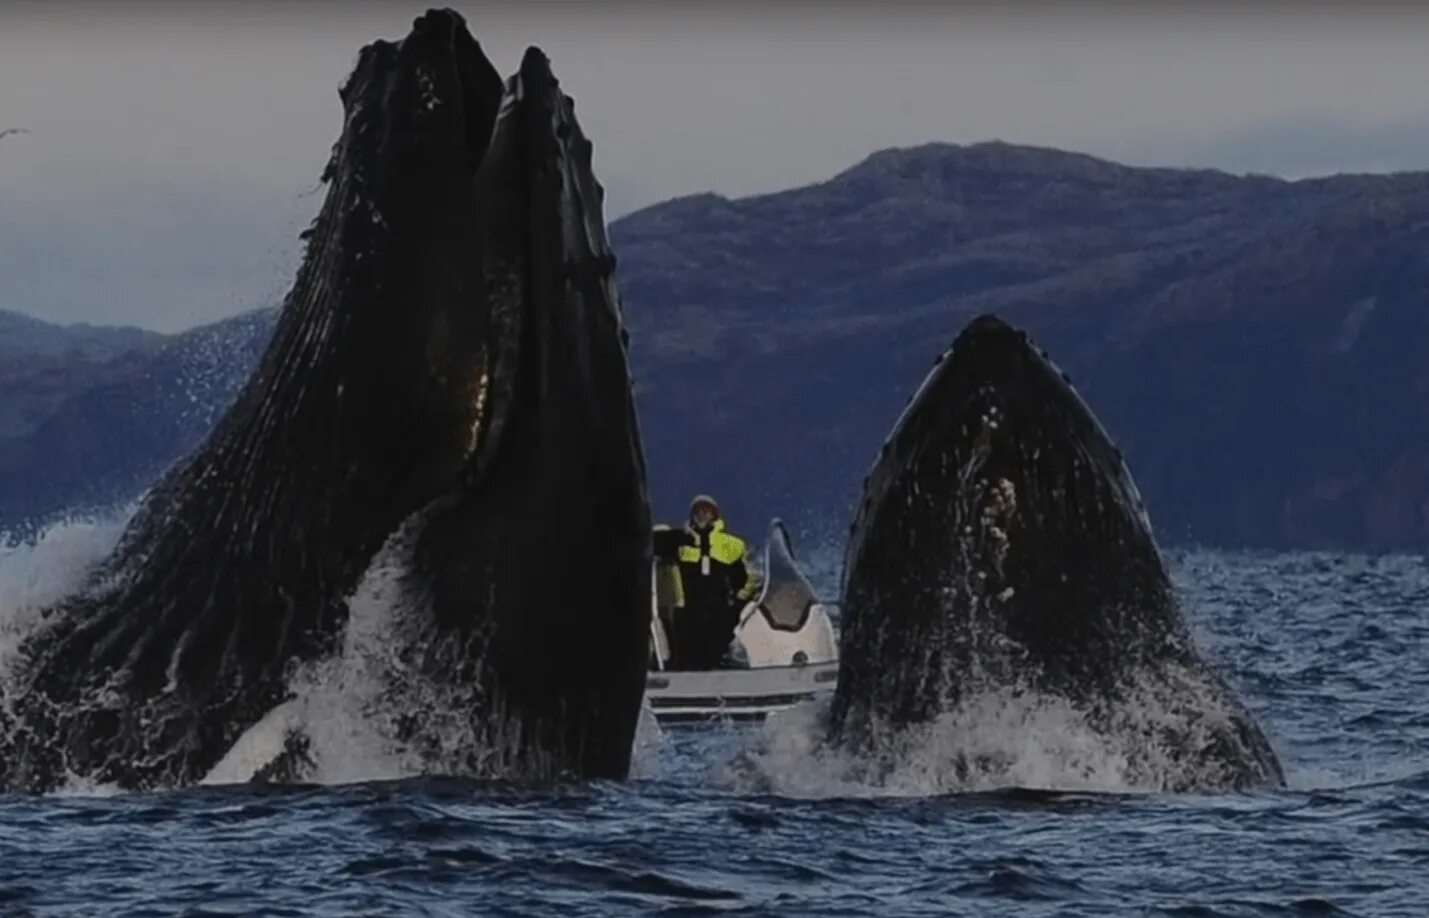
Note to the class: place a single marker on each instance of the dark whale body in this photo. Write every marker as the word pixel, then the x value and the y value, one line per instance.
pixel 453 312
pixel 532 580
pixel 1001 546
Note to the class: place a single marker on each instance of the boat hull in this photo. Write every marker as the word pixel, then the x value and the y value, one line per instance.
pixel 702 697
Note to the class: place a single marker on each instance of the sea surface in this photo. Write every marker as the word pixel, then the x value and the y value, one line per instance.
pixel 1329 651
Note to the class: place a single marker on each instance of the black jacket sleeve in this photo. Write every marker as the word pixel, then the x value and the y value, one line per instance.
pixel 668 542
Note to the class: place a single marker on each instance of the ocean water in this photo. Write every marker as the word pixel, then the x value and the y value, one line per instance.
pixel 1329 651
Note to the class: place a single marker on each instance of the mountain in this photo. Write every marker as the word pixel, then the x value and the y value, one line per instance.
pixel 107 439
pixel 42 364
pixel 1254 345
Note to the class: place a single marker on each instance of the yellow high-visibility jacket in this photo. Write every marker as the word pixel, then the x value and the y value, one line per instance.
pixel 712 569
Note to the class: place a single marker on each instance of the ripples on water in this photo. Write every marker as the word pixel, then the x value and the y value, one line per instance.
pixel 1328 650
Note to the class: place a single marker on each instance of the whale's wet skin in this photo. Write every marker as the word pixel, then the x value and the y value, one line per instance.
pixel 1002 568
pixel 448 377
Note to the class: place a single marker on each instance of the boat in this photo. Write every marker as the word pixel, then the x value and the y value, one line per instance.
pixel 784 652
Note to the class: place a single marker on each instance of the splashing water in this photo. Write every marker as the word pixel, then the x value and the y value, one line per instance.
pixel 1011 738
pixel 1325 649
pixel 350 709
pixel 336 705
pixel 37 572
pixel 364 714
pixel 349 714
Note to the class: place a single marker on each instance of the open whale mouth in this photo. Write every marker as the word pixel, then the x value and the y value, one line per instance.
pixel 1002 551
pixel 450 356
pixel 408 227
pixel 522 321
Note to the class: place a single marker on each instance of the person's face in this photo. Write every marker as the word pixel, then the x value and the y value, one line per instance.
pixel 701 516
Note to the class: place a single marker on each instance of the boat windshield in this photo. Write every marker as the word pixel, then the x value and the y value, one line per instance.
pixel 787 595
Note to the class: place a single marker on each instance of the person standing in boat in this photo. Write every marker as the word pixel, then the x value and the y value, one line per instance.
pixel 716 581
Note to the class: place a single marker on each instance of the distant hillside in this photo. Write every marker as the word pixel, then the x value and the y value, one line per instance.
pixel 21 335
pixel 42 364
pixel 1256 346
pixel 117 422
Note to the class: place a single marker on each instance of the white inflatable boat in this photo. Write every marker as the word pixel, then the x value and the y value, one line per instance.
pixel 785 651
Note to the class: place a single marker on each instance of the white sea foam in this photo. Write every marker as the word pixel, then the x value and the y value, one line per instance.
pixel 372 712
pixel 647 757
pixel 1006 738
pixel 338 704
pixel 38 571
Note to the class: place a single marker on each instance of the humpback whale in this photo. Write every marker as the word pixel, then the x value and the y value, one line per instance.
pixel 531 580
pixel 449 366
pixel 1001 547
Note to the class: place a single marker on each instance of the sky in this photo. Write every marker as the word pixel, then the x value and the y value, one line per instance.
pixel 167 154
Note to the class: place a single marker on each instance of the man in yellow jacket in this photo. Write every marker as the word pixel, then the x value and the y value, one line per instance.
pixel 715 582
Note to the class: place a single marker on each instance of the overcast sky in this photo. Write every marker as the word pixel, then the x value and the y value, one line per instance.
pixel 173 149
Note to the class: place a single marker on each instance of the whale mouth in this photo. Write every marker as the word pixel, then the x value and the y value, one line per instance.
pixel 363 409
pixel 532 339
pixel 1002 551
pixel 448 373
